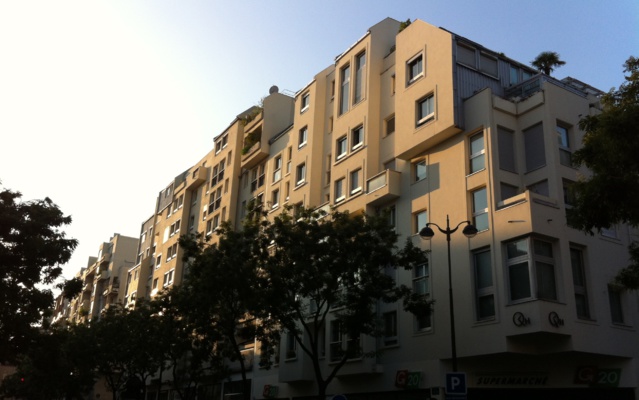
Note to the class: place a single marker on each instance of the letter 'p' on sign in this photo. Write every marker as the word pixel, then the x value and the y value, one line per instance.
pixel 456 383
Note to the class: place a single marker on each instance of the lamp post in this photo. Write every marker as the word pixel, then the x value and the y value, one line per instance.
pixel 427 233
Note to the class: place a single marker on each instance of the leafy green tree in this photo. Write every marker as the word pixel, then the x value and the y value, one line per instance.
pixel 321 269
pixel 190 356
pixel 32 249
pixel 71 288
pixel 547 61
pixel 59 364
pixel 221 290
pixel 610 148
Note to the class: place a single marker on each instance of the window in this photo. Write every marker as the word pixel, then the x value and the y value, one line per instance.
pixel 158 261
pixel 415 68
pixel 488 64
pixel 175 228
pixel 257 177
pixel 425 109
pixel 392 84
pixel 275 198
pixel 534 146
pixel 288 160
pixel 339 190
pixel 508 191
pixel 171 252
pixel 616 305
pixel 356 182
pixel 506 144
pixel 306 102
pixel 569 198
pixel 209 227
pixel 420 220
pixel 480 209
pixel 466 55
pixel 215 200
pixel 340 344
pixel 218 174
pixel 155 283
pixel 277 168
pixel 531 276
pixel 303 136
pixel 291 346
pixel 345 82
pixel 360 77
pixel 421 286
pixel 168 278
pixel 540 187
pixel 484 289
pixel 565 155
pixel 420 170
pixel 341 148
pixel 301 174
pixel 514 75
pixel 390 125
pixel 477 152
pixel 357 137
pixel 390 328
pixel 610 232
pixel 579 283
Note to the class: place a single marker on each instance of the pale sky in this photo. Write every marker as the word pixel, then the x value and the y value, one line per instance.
pixel 103 103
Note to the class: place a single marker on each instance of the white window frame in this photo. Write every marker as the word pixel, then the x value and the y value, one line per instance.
pixel 480 212
pixel 421 277
pixel 277 168
pixel 341 148
pixel 411 77
pixel 356 181
pixel 340 194
pixel 302 137
pixel 531 260
pixel 423 119
pixel 478 154
pixel 487 290
pixel 305 102
pixel 300 174
pixel 418 166
pixel 275 198
pixel 357 137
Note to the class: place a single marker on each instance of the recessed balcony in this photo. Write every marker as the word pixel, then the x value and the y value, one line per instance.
pixel 197 177
pixel 383 187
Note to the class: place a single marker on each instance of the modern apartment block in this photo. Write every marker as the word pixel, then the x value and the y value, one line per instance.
pixel 101 281
pixel 433 128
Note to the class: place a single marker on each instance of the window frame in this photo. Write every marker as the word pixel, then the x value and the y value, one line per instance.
pixel 302 137
pixel 422 277
pixel 421 119
pixel 305 102
pixel 532 260
pixel 415 61
pixel 485 291
pixel 418 174
pixel 480 154
pixel 341 147
pixel 357 133
pixel 339 193
pixel 355 179
pixel 580 283
pixel 480 212
pixel 300 174
pixel 360 77
pixel 345 83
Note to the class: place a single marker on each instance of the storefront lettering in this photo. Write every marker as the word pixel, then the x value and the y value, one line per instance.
pixel 492 380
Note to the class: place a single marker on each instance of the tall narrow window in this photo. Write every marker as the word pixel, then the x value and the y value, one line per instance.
pixel 420 220
pixel 335 345
pixel 565 155
pixel 356 181
pixel 415 68
pixel 480 209
pixel 277 168
pixel 303 136
pixel 425 110
pixel 291 346
pixel 390 125
pixel 420 170
pixel 341 148
pixel 477 153
pixel 345 83
pixel 301 174
pixel 534 146
pixel 616 305
pixel 421 286
pixel 339 190
pixel 360 77
pixel 484 289
pixel 275 198
pixel 579 283
pixel 390 328
pixel 357 137
pixel 506 143
pixel 306 101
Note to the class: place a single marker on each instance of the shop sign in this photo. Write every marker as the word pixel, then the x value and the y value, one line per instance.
pixel 512 380
pixel 405 379
pixel 598 377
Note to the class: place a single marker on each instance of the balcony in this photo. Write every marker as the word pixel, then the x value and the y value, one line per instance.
pixel 255 149
pixel 383 187
pixel 196 178
pixel 106 258
pixel 248 355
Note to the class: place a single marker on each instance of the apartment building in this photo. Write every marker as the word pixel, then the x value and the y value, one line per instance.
pixel 101 280
pixel 433 128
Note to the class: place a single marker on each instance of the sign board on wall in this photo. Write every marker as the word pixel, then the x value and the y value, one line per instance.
pixel 405 379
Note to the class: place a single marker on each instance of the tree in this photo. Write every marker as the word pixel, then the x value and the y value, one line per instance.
pixel 59 364
pixel 321 269
pixel 221 289
pixel 547 61
pixel 32 249
pixel 610 147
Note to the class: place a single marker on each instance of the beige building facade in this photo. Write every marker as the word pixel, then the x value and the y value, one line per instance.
pixel 432 128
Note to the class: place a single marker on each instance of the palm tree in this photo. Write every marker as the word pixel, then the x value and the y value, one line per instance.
pixel 546 61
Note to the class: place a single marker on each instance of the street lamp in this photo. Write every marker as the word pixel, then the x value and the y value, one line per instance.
pixel 427 233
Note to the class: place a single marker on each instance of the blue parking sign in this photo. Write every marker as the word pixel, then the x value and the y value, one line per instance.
pixel 455 383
